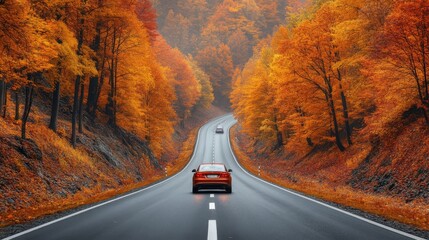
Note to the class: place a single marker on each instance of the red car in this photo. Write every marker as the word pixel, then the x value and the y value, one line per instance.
pixel 212 176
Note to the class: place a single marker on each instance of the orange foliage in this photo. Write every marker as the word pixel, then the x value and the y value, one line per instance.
pixel 147 15
pixel 342 72
pixel 187 87
pixel 216 31
pixel 323 76
pixel 217 63
pixel 404 42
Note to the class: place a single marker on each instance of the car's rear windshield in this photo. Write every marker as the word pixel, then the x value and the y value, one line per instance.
pixel 209 168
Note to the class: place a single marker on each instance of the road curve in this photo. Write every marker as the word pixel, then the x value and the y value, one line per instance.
pixel 169 210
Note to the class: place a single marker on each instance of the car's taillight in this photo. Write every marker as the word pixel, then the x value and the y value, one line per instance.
pixel 199 175
pixel 224 175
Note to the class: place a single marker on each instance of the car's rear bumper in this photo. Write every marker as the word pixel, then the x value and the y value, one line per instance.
pixel 212 186
pixel 212 183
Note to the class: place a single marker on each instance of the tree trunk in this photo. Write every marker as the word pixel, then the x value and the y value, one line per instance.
pixel 55 107
pixel 82 89
pixel 309 142
pixel 302 114
pixel 331 130
pixel 110 108
pixel 92 91
pixel 27 107
pixel 75 109
pixel 115 97
pixel 17 105
pixel 419 89
pixel 102 75
pixel 4 99
pixel 345 110
pixel 334 117
pixel 93 81
pixel 2 95
pixel 425 115
pixel 279 136
pixel 78 78
pixel 423 55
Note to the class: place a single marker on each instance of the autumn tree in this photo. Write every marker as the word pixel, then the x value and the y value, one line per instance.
pixel 207 96
pixel 262 125
pixel 240 47
pixel 66 67
pixel 123 33
pixel 270 15
pixel 230 16
pixel 78 17
pixel 217 63
pixel 28 51
pixel 160 117
pixel 177 28
pixel 187 87
pixel 315 75
pixel 14 32
pixel 147 15
pixel 404 43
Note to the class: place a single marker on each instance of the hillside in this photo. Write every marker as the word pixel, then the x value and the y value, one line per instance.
pixel 387 176
pixel 346 114
pixel 44 174
pixel 93 103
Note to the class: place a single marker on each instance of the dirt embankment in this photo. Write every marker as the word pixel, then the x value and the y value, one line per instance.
pixel 387 176
pixel 45 174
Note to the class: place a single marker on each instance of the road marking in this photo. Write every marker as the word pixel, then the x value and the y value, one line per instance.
pixel 212 231
pixel 212 195
pixel 118 198
pixel 212 206
pixel 321 203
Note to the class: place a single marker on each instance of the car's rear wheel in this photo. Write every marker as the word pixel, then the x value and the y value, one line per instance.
pixel 229 189
pixel 194 190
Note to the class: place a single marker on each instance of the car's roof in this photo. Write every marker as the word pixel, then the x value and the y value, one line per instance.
pixel 219 126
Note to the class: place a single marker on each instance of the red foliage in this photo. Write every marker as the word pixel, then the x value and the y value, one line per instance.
pixel 146 13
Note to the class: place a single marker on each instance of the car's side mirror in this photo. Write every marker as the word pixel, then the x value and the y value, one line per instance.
pixel 194 170
pixel 229 170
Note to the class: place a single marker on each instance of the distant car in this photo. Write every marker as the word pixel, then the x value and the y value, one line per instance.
pixel 212 176
pixel 219 129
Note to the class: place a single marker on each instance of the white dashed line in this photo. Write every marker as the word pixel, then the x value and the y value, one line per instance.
pixel 212 232
pixel 212 195
pixel 212 206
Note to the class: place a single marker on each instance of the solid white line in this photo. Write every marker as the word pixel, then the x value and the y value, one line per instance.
pixel 324 204
pixel 212 231
pixel 212 195
pixel 212 206
pixel 114 199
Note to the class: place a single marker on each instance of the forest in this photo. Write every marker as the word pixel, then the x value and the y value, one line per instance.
pixel 94 102
pixel 142 64
pixel 98 57
pixel 220 35
pixel 335 68
pixel 330 93
pixel 335 104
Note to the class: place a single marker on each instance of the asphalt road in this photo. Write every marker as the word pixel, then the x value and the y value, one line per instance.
pixel 254 210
